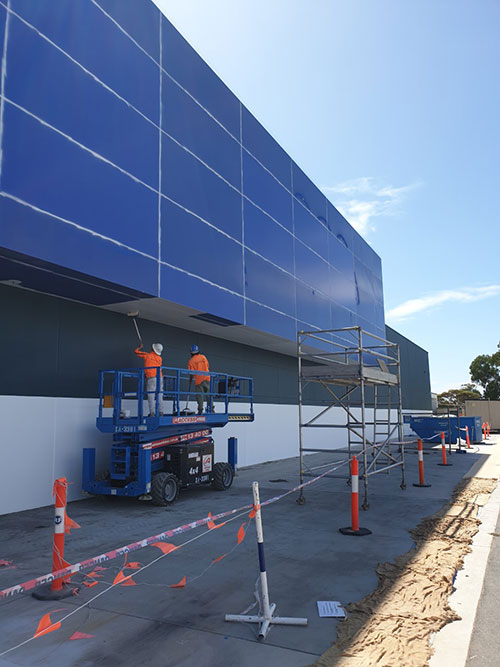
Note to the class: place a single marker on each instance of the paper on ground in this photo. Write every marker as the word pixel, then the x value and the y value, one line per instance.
pixel 330 608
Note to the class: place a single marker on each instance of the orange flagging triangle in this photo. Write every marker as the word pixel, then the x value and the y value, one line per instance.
pixel 211 525
pixel 252 514
pixel 80 635
pixel 45 626
pixel 127 581
pixel 69 523
pixel 241 533
pixel 166 547
pixel 218 559
pixel 181 583
pixel 89 584
pixel 133 566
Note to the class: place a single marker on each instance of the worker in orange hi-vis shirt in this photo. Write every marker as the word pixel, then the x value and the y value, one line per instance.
pixel 199 362
pixel 152 360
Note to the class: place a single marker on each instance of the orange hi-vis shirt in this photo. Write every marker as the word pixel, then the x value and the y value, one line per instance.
pixel 199 362
pixel 150 359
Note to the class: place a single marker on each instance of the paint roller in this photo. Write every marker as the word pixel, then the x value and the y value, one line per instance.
pixel 133 314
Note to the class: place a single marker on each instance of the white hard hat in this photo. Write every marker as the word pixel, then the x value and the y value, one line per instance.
pixel 158 348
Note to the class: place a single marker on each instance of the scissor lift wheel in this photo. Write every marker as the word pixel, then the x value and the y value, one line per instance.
pixel 222 476
pixel 164 488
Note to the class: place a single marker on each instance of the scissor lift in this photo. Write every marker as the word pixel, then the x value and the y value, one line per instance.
pixel 172 449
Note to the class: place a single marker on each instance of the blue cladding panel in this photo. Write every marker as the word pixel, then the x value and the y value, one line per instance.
pixel 192 245
pixel 39 235
pixel 311 269
pixel 310 230
pixel 305 190
pixel 109 53
pixel 264 319
pixel 261 144
pixel 190 291
pixel 269 285
pixel 142 25
pixel 182 62
pixel 186 121
pixel 267 238
pixel 339 226
pixel 43 168
pixel 312 307
pixel 2 28
pixel 341 317
pixel 342 289
pixel 39 78
pixel 266 191
pixel 186 180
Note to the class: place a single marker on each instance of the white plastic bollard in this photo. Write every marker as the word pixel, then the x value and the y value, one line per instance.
pixel 266 619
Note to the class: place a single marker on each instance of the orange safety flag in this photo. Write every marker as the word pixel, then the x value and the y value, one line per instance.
pixel 211 525
pixel 45 626
pixel 166 547
pixel 93 575
pixel 80 635
pixel 127 581
pixel 181 583
pixel 69 523
pixel 218 559
pixel 252 514
pixel 89 584
pixel 100 569
pixel 241 533
pixel 133 566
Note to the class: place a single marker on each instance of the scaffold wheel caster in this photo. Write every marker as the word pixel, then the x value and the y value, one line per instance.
pixel 301 500
pixel 348 481
pixel 365 506
pixel 403 486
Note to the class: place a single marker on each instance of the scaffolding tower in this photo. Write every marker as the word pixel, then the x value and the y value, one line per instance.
pixel 358 372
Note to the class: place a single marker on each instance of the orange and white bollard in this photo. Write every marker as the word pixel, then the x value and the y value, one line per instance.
pixel 354 528
pixel 58 589
pixel 443 452
pixel 420 451
pixel 467 439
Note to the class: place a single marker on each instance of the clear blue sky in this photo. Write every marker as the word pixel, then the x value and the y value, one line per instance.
pixel 393 108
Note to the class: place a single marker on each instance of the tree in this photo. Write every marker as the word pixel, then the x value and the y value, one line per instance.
pixel 454 398
pixel 485 371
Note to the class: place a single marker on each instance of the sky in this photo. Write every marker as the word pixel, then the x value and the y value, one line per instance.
pixel 393 108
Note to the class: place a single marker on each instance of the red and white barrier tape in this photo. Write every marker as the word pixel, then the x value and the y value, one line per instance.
pixel 134 546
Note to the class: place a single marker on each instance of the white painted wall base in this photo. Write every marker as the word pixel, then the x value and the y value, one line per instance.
pixel 44 438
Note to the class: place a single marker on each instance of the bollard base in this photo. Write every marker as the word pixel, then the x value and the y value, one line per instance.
pixel 46 592
pixel 445 464
pixel 265 621
pixel 460 451
pixel 361 532
pixel 424 485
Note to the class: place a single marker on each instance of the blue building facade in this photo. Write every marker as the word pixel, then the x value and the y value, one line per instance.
pixel 129 170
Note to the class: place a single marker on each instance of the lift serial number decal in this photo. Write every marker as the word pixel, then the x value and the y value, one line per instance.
pixel 189 420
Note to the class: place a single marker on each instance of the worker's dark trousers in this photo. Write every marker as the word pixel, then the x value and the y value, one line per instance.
pixel 201 389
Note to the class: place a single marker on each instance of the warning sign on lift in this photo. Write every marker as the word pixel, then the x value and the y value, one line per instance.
pixel 207 463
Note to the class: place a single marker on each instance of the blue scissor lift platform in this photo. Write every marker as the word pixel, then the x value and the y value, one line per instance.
pixel 171 449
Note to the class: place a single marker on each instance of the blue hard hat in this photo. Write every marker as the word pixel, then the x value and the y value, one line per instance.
pixel 194 349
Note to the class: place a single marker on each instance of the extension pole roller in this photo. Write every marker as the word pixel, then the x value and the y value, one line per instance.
pixel 354 528
pixel 266 619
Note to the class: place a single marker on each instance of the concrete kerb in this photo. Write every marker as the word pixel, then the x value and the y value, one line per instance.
pixel 451 644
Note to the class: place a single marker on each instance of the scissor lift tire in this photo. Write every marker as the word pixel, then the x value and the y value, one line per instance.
pixel 164 488
pixel 222 476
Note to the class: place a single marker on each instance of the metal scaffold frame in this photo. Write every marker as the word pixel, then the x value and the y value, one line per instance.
pixel 342 361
